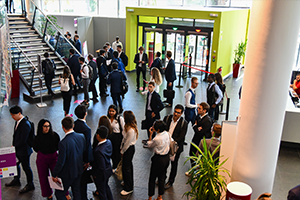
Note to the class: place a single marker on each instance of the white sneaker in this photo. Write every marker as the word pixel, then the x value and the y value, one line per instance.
pixel 124 193
pixel 122 183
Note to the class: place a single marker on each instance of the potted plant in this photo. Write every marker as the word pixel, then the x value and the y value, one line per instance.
pixel 205 181
pixel 239 53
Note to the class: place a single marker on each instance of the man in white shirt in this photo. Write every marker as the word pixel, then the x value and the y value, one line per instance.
pixel 84 71
pixel 116 43
pixel 214 95
pixel 190 101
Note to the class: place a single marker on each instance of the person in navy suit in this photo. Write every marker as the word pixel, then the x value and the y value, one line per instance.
pixel 77 43
pixel 294 193
pixel 102 71
pixel 170 75
pixel 69 166
pixel 140 59
pixel 75 67
pixel 153 107
pixel 23 150
pixel 102 169
pixel 115 80
pixel 110 49
pixel 157 62
pixel 80 126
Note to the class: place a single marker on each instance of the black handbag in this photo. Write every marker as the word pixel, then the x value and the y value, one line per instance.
pixel 144 125
pixel 169 94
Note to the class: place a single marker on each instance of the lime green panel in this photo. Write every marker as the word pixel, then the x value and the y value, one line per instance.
pixel 147 19
pixel 141 37
pixel 233 30
pixel 131 40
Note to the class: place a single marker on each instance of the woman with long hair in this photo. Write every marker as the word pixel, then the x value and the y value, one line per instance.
pixel 103 121
pixel 130 136
pixel 220 83
pixel 46 145
pixel 160 159
pixel 66 82
pixel 117 124
pixel 156 78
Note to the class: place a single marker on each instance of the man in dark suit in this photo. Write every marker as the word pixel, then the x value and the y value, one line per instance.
pixel 77 43
pixel 140 59
pixel 153 107
pixel 294 193
pixel 80 126
pixel 69 37
pixel 202 127
pixel 122 55
pixel 102 169
pixel 92 86
pixel 115 80
pixel 75 67
pixel 157 62
pixel 48 68
pixel 108 57
pixel 110 50
pixel 177 127
pixel 170 75
pixel 23 150
pixel 70 160
pixel 102 71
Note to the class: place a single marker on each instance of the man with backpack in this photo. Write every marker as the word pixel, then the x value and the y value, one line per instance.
pixel 48 68
pixel 22 140
pixel 121 66
pixel 86 74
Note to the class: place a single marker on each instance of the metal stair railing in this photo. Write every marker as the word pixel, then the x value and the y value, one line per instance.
pixel 33 68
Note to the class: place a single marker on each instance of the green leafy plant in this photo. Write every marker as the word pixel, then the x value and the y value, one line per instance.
pixel 239 53
pixel 205 181
pixel 50 29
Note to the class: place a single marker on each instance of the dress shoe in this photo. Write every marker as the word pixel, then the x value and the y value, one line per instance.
pixel 184 143
pixel 13 183
pixel 145 145
pixel 50 198
pixel 95 193
pixel 165 101
pixel 27 188
pixel 168 185
pixel 144 141
pixel 124 193
pixel 121 111
pixel 137 90
pixel 168 105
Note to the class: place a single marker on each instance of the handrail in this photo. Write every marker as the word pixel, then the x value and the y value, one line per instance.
pixel 23 53
pixel 56 29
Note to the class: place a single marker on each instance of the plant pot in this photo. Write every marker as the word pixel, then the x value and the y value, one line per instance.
pixel 15 84
pixel 236 68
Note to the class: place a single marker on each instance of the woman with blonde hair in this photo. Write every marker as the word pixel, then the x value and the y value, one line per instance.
pixel 130 136
pixel 66 82
pixel 156 78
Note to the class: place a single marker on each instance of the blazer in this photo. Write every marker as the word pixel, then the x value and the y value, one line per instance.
pixel 115 81
pixel 78 46
pixel 20 138
pixel 155 104
pixel 137 59
pixel 101 166
pixel 74 64
pixel 101 64
pixel 69 164
pixel 206 124
pixel 111 51
pixel 94 67
pixel 156 63
pixel 178 133
pixel 294 193
pixel 81 127
pixel 170 73
pixel 124 58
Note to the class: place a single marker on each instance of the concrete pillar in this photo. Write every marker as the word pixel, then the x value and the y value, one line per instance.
pixel 272 40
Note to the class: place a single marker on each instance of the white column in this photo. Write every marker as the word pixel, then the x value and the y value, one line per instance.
pixel 272 40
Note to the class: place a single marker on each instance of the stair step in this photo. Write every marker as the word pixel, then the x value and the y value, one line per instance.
pixel 35 49
pixel 34 59
pixel 16 18
pixel 35 54
pixel 24 36
pixel 17 22
pixel 20 27
pixel 14 15
pixel 32 44
pixel 28 40
pixel 36 76
pixel 22 31
pixel 37 87
pixel 24 69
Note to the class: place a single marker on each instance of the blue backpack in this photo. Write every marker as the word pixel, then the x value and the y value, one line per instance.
pixel 121 66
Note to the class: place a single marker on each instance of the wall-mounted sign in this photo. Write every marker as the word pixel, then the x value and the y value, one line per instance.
pixel 8 162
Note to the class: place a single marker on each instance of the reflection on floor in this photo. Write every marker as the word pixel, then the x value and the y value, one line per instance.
pixel 287 173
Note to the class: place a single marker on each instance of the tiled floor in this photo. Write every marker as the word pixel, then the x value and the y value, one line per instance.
pixel 287 173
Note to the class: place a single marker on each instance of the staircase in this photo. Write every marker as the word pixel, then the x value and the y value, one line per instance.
pixel 26 44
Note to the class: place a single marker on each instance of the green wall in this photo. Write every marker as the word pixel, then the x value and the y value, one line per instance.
pixel 230 28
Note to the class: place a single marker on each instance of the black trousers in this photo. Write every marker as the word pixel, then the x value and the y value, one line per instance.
pixel 117 99
pixel 169 100
pixel 138 72
pixel 75 186
pixel 212 112
pixel 193 150
pixel 150 122
pixel 174 165
pixel 66 100
pixel 93 89
pixel 103 189
pixel 158 170
pixel 127 168
pixel 25 162
pixel 217 112
pixel 102 85
pixel 116 140
pixel 48 82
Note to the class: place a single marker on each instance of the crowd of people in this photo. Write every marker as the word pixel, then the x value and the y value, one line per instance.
pixel 75 159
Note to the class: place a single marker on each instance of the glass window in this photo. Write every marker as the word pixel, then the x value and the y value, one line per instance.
pixel 239 3
pixel 50 6
pixel 218 2
pixel 124 4
pixel 108 8
pixel 67 6
pixel 160 3
pixel 86 7
pixel 194 2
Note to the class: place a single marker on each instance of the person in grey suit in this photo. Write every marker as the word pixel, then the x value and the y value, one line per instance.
pixel 69 166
